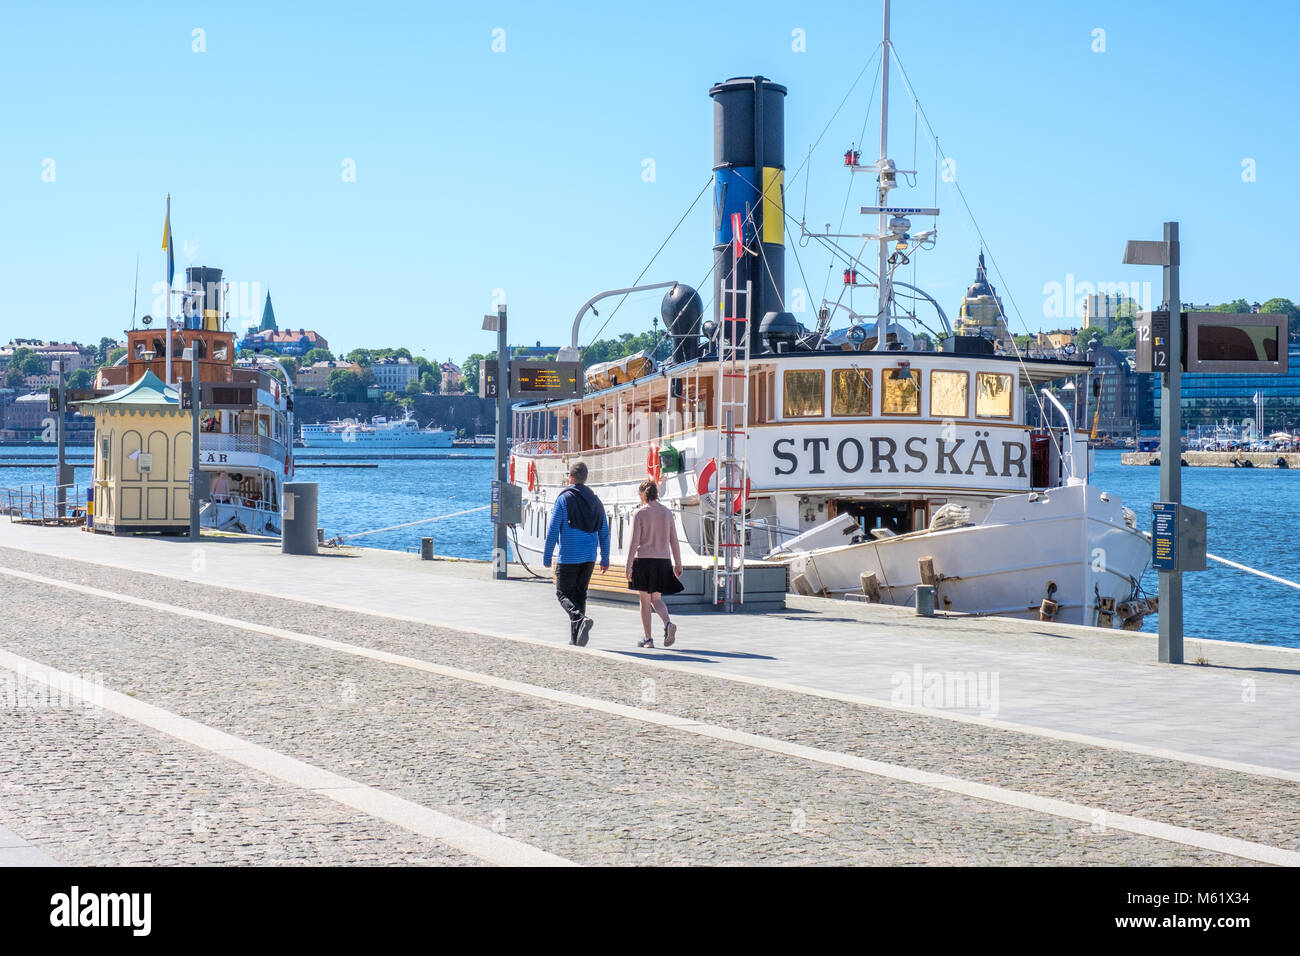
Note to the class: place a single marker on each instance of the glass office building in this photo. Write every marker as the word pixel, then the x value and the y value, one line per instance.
pixel 1208 399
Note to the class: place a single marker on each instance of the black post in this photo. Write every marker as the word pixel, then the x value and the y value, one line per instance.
pixel 61 477
pixel 194 439
pixel 499 553
pixel 1170 650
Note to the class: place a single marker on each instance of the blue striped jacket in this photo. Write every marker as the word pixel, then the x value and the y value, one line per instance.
pixel 576 547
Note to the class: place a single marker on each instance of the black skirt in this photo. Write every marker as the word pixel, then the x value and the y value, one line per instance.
pixel 654 575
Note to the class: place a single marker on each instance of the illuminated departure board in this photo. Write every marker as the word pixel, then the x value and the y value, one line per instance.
pixel 545 379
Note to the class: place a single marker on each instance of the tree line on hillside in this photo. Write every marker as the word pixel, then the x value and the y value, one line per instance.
pixel 27 362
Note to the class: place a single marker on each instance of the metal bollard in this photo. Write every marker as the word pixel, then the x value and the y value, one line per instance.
pixel 298 517
pixel 925 600
pixel 426 549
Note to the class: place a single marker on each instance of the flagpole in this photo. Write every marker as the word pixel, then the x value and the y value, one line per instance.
pixel 167 241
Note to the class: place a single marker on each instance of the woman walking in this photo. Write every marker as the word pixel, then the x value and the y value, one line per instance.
pixel 654 561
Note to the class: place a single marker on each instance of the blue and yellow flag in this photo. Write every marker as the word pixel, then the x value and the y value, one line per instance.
pixel 167 242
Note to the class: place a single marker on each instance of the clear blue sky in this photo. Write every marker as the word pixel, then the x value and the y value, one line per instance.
pixel 522 170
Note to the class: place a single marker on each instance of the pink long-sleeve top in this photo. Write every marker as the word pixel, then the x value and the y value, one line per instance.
pixel 654 535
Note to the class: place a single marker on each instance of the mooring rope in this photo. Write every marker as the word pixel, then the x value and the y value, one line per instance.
pixel 1243 567
pixel 412 524
pixel 1255 571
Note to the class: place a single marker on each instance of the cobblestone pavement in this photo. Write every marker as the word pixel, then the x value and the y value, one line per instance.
pixel 94 789
pixel 591 787
pixel 1056 679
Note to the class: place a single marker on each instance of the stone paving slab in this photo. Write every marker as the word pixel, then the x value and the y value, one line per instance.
pixel 1244 707
pixel 589 787
pixel 15 851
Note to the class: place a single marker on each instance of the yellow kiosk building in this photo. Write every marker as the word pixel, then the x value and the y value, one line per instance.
pixel 142 459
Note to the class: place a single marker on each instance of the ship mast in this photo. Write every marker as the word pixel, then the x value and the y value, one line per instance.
pixel 884 184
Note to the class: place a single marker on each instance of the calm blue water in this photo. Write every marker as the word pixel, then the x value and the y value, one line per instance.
pixel 1252 519
pixel 359 499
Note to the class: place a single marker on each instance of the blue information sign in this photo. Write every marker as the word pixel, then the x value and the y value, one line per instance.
pixel 1164 536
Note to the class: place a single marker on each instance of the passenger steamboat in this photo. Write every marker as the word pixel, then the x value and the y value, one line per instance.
pixel 863 461
pixel 245 408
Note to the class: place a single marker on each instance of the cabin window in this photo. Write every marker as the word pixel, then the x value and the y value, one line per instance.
pixel 949 394
pixel 805 394
pixel 993 393
pixel 902 396
pixel 851 392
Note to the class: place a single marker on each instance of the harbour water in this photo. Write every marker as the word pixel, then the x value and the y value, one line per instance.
pixel 1245 518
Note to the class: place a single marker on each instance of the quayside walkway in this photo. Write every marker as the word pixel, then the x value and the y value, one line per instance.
pixel 167 702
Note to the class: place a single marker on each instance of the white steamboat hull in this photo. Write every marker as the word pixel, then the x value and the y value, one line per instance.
pixel 237 517
pixel 1076 538
pixel 378 442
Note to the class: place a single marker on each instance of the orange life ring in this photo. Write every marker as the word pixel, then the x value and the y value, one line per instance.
pixel 532 476
pixel 652 466
pixel 286 465
pixel 512 469
pixel 706 476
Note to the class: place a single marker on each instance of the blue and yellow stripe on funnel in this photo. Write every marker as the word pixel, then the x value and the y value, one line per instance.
pixel 773 205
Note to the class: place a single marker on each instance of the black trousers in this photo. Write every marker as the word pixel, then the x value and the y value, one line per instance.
pixel 571 582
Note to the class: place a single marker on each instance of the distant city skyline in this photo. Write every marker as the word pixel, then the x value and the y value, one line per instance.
pixel 395 174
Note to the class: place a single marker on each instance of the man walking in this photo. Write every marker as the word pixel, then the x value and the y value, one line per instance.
pixel 579 525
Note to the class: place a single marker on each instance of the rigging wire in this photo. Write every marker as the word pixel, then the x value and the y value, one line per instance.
pixel 848 192
pixel 638 279
pixel 920 110
pixel 852 87
pixel 835 251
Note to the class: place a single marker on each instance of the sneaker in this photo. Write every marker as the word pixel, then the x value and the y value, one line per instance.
pixel 646 642
pixel 584 631
pixel 670 634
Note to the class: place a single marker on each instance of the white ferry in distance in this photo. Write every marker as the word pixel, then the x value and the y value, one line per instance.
pixel 379 432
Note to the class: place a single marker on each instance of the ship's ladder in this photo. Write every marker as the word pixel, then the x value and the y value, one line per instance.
pixel 732 445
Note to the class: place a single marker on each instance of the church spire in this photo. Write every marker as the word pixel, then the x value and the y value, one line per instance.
pixel 268 316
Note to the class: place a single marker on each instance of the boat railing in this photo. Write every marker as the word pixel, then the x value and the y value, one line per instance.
pixel 620 463
pixel 242 501
pixel 606 467
pixel 254 444
pixel 775 533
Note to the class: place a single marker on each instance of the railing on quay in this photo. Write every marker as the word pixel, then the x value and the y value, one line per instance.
pixel 39 504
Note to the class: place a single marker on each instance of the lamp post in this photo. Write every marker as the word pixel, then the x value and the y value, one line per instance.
pixel 62 476
pixel 192 353
pixel 497 323
pixel 1166 254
